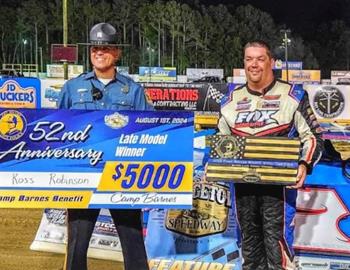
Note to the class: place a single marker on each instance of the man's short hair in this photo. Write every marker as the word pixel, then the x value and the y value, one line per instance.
pixel 259 43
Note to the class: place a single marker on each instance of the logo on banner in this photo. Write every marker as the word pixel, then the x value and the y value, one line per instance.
pixel 215 94
pixel 255 119
pixel 251 176
pixel 168 96
pixel 339 265
pixel 314 265
pixel 12 125
pixel 116 120
pixel 243 104
pixel 227 147
pixel 211 203
pixel 12 95
pixel 329 102
pixel 56 216
pixel 270 102
pixel 327 211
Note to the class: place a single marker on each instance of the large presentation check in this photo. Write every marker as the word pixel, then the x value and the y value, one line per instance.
pixel 95 159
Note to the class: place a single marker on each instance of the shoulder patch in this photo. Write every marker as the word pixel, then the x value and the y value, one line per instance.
pixel 297 92
pixel 228 96
pixel 123 79
pixel 82 75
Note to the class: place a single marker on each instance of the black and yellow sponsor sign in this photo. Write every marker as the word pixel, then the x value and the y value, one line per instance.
pixel 209 214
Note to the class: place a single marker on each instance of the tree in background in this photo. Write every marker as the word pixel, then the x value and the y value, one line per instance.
pixel 163 33
pixel 298 51
pixel 332 50
pixel 11 38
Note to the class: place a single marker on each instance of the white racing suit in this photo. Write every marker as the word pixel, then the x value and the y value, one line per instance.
pixel 265 212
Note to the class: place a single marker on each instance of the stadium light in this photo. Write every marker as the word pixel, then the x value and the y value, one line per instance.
pixel 65 36
pixel 285 43
pixel 150 61
pixel 24 60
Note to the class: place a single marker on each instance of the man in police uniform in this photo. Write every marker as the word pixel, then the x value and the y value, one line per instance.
pixel 104 88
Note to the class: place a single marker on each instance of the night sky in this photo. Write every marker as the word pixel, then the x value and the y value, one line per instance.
pixel 301 16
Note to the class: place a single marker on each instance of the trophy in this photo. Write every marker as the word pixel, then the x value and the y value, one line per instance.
pixel 260 160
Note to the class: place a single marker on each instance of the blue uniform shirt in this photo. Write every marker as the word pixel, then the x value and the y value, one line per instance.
pixel 121 93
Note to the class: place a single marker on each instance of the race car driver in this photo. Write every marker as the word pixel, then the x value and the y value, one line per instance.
pixel 265 106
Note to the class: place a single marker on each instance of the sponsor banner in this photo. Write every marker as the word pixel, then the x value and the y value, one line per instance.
pixel 50 91
pixel 311 263
pixel 337 264
pixel 186 96
pixel 336 131
pixel 156 264
pixel 204 237
pixel 182 78
pixel 206 120
pixel 57 71
pixel 326 81
pixel 52 235
pixel 308 262
pixel 302 76
pixel 197 73
pixel 292 65
pixel 239 76
pixel 330 102
pixel 324 206
pixel 259 160
pixel 95 158
pixel 20 93
pixel 157 74
pixel 124 70
pixel 340 77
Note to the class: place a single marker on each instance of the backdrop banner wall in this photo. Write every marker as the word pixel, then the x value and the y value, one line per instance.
pixel 321 207
pixel 197 73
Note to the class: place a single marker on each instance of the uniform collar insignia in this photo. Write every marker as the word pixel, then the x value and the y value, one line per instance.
pixel 125 89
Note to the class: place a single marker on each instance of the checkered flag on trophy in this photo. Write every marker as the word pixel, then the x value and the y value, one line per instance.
pixel 215 94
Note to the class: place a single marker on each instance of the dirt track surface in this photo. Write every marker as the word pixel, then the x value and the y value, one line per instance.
pixel 17 231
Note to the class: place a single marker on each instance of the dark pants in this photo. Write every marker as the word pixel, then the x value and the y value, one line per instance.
pixel 265 214
pixel 81 223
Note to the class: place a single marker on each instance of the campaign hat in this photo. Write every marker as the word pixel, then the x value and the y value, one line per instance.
pixel 102 34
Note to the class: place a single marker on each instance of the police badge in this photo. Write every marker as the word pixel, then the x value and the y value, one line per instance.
pixel 125 89
pixel 116 120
